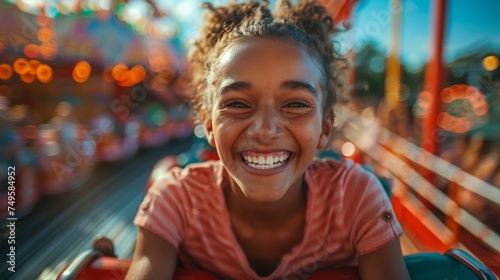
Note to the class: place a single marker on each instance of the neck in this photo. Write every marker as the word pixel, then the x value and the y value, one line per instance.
pixel 263 212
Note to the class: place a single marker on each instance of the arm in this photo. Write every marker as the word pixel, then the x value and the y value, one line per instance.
pixel 384 264
pixel 154 258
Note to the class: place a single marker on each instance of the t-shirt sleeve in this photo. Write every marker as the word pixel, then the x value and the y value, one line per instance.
pixel 374 223
pixel 163 209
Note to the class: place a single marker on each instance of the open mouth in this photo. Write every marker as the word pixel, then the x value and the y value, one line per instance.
pixel 265 161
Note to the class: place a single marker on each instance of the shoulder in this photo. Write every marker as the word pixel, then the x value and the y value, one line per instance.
pixel 339 172
pixel 195 186
pixel 191 178
pixel 343 183
pixel 175 196
pixel 354 202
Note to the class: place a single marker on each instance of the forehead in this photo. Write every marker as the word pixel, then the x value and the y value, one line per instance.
pixel 272 59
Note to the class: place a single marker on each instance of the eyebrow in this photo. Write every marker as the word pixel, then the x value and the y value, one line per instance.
pixel 233 85
pixel 300 85
pixel 290 84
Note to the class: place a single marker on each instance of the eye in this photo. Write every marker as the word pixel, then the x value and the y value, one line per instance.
pixel 298 104
pixel 234 104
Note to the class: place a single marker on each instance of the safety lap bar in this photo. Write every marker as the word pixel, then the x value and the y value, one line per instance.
pixel 79 264
pixel 477 267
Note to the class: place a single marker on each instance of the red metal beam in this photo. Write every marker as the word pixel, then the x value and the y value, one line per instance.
pixel 434 77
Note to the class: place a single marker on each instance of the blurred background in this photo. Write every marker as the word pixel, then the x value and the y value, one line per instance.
pixel 92 95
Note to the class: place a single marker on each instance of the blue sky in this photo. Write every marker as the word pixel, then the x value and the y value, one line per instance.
pixel 470 25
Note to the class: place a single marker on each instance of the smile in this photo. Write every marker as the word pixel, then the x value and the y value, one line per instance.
pixel 265 161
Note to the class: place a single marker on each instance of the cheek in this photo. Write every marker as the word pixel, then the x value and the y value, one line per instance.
pixel 225 134
pixel 309 131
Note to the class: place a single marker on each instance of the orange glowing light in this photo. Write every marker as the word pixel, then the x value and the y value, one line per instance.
pixel 28 78
pixel 447 95
pixel 137 74
pixel 5 71
pixel 119 72
pixel 48 50
pixel 31 50
pixel 481 109
pixel 44 73
pixel 476 100
pixel 490 63
pixel 126 82
pixel 45 34
pixel 21 66
pixel 1 47
pixel 32 65
pixel 453 124
pixel 82 71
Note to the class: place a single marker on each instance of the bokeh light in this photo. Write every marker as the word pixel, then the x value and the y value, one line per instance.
pixel 45 34
pixel 348 149
pixel 82 71
pixel 137 74
pixel 44 73
pixel 31 50
pixel 26 69
pixel 34 63
pixel 159 117
pixel 28 77
pixel 199 131
pixel 48 50
pixel 119 72
pixel 126 77
pixel 5 71
pixel 21 66
pixel 453 124
pixel 490 63
pixel 465 108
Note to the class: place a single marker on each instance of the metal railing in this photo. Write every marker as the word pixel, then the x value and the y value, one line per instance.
pixel 399 156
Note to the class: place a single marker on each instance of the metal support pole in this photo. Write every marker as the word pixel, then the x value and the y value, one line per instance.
pixel 434 78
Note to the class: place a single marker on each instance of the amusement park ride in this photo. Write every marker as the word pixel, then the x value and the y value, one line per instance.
pixel 101 262
pixel 412 171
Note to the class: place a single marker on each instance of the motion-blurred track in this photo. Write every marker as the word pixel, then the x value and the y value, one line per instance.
pixel 65 225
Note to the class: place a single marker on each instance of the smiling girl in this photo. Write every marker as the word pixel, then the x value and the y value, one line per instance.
pixel 264 86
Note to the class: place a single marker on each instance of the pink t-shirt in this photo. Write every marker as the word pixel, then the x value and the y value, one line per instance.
pixel 348 215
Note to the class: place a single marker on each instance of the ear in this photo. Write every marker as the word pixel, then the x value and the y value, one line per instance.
pixel 326 130
pixel 209 133
pixel 207 124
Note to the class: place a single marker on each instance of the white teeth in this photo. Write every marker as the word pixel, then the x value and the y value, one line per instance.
pixel 269 160
pixel 263 161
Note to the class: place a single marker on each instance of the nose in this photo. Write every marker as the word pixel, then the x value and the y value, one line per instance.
pixel 266 125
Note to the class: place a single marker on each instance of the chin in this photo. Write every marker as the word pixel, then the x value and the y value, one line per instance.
pixel 264 197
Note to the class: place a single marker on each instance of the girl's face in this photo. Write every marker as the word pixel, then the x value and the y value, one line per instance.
pixel 267 120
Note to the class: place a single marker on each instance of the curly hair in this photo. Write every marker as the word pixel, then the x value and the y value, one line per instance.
pixel 306 23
